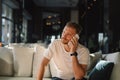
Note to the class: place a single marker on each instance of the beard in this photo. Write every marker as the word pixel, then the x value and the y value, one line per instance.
pixel 64 41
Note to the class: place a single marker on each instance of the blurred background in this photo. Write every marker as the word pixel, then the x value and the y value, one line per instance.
pixel 42 21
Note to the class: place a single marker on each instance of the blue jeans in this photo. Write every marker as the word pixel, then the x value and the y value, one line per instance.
pixel 56 78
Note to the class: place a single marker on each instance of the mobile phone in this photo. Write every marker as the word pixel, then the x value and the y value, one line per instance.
pixel 77 36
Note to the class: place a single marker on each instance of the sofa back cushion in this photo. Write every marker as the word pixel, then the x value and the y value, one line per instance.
pixel 37 60
pixel 23 57
pixel 6 62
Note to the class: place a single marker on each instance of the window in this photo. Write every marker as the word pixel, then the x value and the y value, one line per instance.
pixel 24 31
pixel 6 24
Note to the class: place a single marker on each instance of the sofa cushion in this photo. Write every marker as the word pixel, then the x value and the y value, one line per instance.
pixel 101 71
pixel 6 62
pixel 21 78
pixel 37 60
pixel 23 59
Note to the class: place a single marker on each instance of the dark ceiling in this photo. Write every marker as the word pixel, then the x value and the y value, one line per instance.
pixel 56 3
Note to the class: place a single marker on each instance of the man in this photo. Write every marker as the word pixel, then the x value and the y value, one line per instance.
pixel 70 57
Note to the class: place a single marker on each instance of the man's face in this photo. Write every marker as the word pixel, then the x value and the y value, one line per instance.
pixel 67 34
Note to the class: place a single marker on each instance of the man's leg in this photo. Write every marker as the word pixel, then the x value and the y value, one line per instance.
pixel 81 79
pixel 56 78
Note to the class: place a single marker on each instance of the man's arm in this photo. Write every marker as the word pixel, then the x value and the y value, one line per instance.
pixel 79 69
pixel 41 70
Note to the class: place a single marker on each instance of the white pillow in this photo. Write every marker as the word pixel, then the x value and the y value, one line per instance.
pixel 23 57
pixel 94 58
pixel 6 62
pixel 37 60
pixel 113 57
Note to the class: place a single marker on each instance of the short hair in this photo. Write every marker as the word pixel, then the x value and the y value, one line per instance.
pixel 75 26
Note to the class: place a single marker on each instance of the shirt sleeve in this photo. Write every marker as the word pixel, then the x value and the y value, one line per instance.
pixel 83 56
pixel 50 51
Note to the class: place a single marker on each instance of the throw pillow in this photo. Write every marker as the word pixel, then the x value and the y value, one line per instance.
pixel 113 57
pixel 23 59
pixel 6 62
pixel 94 58
pixel 37 60
pixel 101 71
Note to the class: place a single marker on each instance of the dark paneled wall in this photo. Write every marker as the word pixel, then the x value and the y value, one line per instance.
pixel 0 19
pixel 114 23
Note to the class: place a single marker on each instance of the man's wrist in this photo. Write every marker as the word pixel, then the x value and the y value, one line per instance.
pixel 74 54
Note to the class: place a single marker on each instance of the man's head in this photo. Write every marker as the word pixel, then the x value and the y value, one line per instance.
pixel 69 31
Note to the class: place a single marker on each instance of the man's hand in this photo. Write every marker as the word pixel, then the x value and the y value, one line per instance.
pixel 73 43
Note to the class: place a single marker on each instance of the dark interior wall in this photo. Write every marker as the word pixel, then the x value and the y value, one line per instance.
pixel 114 22
pixel 28 5
pixel 93 21
pixel 0 19
pixel 95 18
pixel 35 24
pixel 39 24
pixel 37 20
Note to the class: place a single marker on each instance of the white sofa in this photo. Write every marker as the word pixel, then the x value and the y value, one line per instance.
pixel 21 61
